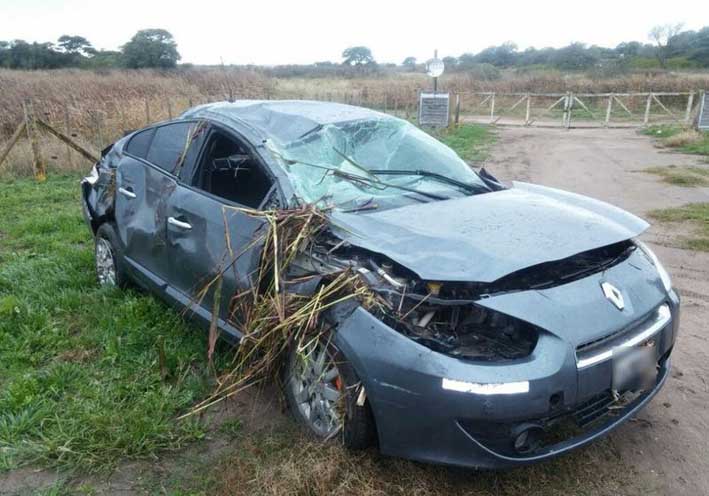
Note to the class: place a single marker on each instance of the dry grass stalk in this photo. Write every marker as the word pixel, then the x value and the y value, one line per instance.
pixel 272 318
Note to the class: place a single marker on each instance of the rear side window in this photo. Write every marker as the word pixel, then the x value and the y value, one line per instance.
pixel 169 145
pixel 140 142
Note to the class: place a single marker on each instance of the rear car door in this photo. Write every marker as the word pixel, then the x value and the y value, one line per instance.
pixel 145 179
pixel 208 236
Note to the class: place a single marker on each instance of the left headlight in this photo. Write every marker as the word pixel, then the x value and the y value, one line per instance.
pixel 664 276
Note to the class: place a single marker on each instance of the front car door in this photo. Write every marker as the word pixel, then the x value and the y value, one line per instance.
pixel 208 236
pixel 145 179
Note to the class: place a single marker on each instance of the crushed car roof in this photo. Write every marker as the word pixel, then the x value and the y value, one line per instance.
pixel 284 120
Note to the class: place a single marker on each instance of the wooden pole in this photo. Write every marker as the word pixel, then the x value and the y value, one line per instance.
pixel 457 109
pixel 40 171
pixel 688 113
pixel 492 107
pixel 147 111
pixel 67 130
pixel 609 109
pixel 13 139
pixel 65 139
pixel 646 119
pixel 527 114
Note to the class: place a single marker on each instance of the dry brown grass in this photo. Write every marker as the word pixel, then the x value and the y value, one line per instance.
pixel 102 105
pixel 683 138
pixel 287 462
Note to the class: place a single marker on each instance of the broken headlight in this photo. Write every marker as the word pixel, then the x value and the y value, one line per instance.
pixel 664 275
pixel 467 331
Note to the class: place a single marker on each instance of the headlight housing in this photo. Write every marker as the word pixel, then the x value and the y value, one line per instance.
pixel 664 276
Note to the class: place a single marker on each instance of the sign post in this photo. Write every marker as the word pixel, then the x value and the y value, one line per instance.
pixel 434 108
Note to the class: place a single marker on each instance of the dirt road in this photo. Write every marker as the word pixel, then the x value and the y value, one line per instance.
pixel 669 442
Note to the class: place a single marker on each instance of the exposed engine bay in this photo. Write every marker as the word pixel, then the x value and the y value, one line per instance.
pixel 444 316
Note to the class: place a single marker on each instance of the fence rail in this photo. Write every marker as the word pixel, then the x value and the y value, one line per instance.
pixel 583 109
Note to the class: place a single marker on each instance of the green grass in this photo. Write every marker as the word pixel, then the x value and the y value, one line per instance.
pixel 682 176
pixel 697 213
pixel 80 385
pixel 471 141
pixel 681 139
pixel 662 130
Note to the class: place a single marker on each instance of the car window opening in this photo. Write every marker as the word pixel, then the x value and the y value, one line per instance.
pixel 229 171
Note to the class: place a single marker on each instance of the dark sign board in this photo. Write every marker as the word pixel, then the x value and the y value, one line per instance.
pixel 703 123
pixel 433 109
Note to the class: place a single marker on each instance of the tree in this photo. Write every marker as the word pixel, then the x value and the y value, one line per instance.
pixel 662 35
pixel 358 55
pixel 75 45
pixel 410 62
pixel 450 62
pixel 504 55
pixel 151 48
pixel 575 56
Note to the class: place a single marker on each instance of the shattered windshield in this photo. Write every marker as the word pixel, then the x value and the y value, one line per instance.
pixel 377 162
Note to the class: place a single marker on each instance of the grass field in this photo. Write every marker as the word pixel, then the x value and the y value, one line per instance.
pixel 80 381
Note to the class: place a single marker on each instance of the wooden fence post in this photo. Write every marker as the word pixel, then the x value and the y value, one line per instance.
pixel 67 130
pixel 147 111
pixel 646 119
pixel 609 109
pixel 457 109
pixel 688 113
pixel 40 171
pixel 492 107
pixel 529 109
pixel 13 139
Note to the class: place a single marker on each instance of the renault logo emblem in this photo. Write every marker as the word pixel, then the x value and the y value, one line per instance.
pixel 613 294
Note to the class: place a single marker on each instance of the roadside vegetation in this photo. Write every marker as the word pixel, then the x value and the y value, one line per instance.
pixel 471 141
pixel 88 376
pixel 694 213
pixel 680 138
pixel 689 177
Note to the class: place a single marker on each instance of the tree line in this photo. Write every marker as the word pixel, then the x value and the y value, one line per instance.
pixel 668 47
pixel 147 48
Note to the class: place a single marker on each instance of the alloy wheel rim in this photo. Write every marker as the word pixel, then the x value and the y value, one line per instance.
pixel 316 386
pixel 105 263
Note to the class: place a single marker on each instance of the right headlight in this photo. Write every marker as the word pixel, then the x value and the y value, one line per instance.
pixel 664 276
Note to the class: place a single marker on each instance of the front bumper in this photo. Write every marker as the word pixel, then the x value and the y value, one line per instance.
pixel 418 419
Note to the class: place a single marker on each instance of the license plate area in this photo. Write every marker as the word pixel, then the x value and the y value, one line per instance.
pixel 635 368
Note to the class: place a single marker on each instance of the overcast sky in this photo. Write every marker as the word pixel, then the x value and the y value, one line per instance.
pixel 303 31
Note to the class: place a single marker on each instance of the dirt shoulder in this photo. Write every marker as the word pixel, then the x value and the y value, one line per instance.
pixel 667 443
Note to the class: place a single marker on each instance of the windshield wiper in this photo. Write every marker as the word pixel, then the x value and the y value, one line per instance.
pixel 356 178
pixel 470 188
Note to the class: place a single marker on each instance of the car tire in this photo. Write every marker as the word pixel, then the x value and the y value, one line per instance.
pixel 108 256
pixel 356 427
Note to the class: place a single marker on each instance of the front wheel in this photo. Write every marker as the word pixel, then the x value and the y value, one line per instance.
pixel 109 258
pixel 322 390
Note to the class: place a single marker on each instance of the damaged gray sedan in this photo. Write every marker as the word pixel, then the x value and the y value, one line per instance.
pixel 520 322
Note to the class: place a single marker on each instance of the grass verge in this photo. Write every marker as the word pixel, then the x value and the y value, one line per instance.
pixel 80 381
pixel 682 139
pixel 471 141
pixel 689 177
pixel 697 213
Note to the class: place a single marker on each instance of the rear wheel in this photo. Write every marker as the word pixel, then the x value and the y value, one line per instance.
pixel 110 269
pixel 322 390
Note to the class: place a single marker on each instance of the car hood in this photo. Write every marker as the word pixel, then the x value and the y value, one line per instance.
pixel 483 237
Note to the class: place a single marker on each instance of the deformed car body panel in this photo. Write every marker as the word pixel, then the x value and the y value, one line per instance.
pixel 478 239
pixel 484 237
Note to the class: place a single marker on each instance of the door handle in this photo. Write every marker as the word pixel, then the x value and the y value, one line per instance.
pixel 178 223
pixel 126 192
